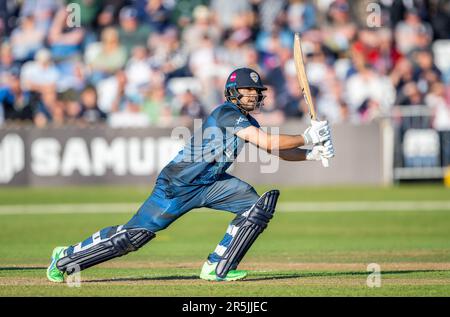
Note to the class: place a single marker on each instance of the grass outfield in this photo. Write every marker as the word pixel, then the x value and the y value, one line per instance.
pixel 303 253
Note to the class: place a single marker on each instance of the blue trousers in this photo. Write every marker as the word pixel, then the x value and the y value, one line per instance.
pixel 167 203
pixel 160 209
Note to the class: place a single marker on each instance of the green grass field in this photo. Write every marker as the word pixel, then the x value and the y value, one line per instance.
pixel 302 253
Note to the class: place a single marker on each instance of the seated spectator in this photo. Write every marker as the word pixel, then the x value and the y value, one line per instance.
pixel 15 103
pixel 27 39
pixel 64 41
pixel 107 56
pixel 131 32
pixel 189 107
pixel 411 32
pixel 90 113
pixel 402 73
pixel 301 15
pixel 367 85
pixel 157 15
pixel 156 105
pixel 71 107
pixel 425 73
pixel 111 93
pixel 40 75
pixel 7 64
pixel 168 55
pixel 436 100
pixel 409 95
pixel 42 11
pixel 202 26
pixel 138 69
pixel 340 30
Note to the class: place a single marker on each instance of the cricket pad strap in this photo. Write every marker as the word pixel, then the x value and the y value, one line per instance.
pixel 117 245
pixel 253 224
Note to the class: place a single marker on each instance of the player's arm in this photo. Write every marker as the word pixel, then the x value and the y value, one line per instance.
pixel 293 155
pixel 318 132
pixel 270 142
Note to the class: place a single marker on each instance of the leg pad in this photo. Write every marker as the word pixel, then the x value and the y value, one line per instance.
pixel 117 245
pixel 251 226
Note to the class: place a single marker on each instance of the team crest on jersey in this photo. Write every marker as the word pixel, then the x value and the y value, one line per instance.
pixel 254 76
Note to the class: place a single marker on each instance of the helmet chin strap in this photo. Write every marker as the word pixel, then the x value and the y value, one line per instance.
pixel 256 105
pixel 236 96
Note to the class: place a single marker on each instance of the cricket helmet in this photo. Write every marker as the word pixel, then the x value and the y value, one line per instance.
pixel 244 78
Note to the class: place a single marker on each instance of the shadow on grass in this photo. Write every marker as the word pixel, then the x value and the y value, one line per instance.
pixel 335 274
pixel 141 279
pixel 20 268
pixel 262 278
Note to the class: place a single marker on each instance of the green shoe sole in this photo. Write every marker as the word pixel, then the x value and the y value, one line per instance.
pixel 53 274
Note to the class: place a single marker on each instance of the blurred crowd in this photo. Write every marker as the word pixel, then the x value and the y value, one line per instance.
pixel 164 62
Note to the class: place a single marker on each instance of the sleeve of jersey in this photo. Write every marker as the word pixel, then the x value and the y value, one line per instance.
pixel 234 121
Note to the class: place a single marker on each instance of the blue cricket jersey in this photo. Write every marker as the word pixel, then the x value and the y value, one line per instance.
pixel 210 151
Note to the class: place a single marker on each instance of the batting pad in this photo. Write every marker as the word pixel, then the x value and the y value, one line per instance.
pixel 119 244
pixel 256 220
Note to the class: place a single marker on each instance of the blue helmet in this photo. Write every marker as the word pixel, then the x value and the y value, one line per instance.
pixel 243 78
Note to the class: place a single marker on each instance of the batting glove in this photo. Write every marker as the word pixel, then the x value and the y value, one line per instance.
pixel 321 151
pixel 318 132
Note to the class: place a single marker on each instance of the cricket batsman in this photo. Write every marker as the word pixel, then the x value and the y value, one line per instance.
pixel 196 178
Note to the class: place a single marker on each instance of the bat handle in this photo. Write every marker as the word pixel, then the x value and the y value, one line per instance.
pixel 325 162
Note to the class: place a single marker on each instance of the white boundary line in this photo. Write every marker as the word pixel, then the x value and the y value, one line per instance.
pixel 332 206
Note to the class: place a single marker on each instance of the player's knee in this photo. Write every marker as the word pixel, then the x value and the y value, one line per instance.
pixel 131 240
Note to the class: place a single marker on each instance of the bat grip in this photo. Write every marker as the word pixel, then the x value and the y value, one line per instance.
pixel 325 162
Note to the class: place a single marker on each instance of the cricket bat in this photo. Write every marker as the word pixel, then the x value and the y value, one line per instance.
pixel 303 82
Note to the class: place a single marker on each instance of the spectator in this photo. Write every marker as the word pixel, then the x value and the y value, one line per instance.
pixel 15 103
pixel 203 26
pixel 68 101
pixel 41 75
pixel 138 69
pixel 106 57
pixel 156 105
pixel 131 32
pixel 409 95
pixel 65 42
pixel 157 15
pixel 224 13
pixel 301 15
pixel 7 64
pixel 339 32
pixel 425 73
pixel 167 54
pixel 42 11
pixel 412 32
pixel 441 108
pixel 111 92
pixel 90 113
pixel 27 39
pixel 367 88
pixel 190 107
